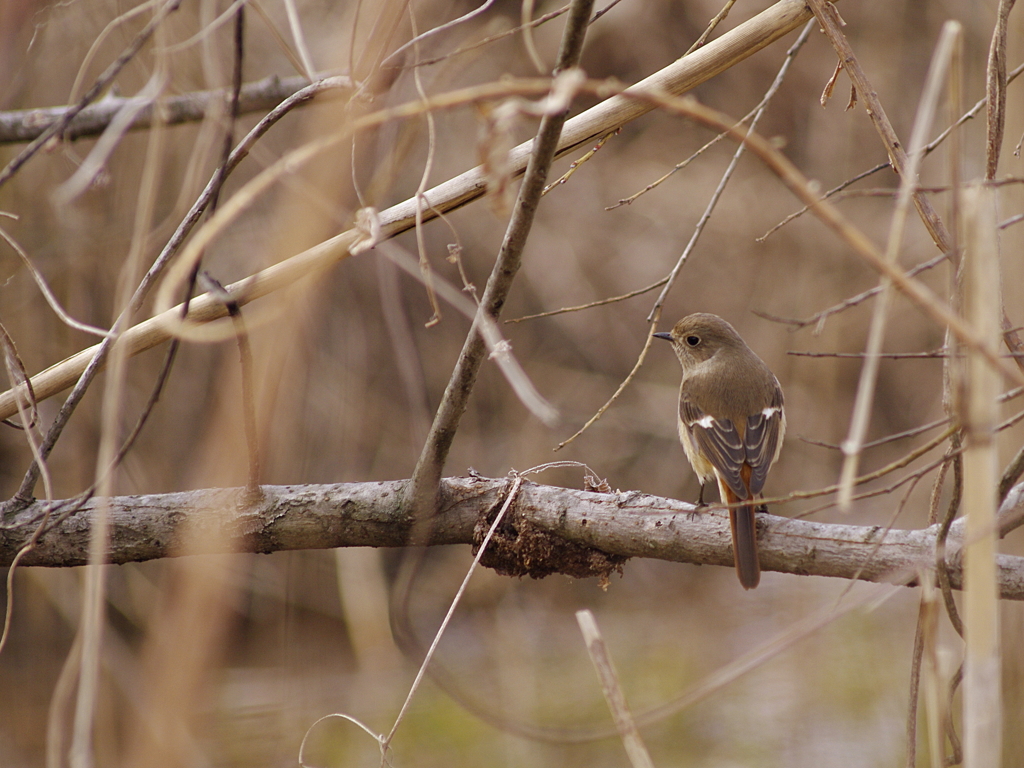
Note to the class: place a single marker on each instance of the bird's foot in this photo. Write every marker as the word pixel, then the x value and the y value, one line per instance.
pixel 698 508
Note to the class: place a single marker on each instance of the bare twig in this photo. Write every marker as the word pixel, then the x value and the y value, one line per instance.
pixel 827 17
pixel 428 470
pixel 543 19
pixel 717 194
pixel 47 293
pixel 419 38
pixel 718 19
pixel 510 498
pixel 426 274
pixel 622 385
pixel 308 68
pixel 592 304
pixel 90 96
pixel 248 385
pixel 969 115
pixel 915 679
pixel 912 432
pixel 941 565
pixel 1011 475
pixel 934 354
pixel 818 319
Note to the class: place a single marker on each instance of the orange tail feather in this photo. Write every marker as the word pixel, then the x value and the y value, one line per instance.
pixel 744 543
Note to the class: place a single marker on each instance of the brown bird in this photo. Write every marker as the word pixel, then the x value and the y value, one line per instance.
pixel 731 423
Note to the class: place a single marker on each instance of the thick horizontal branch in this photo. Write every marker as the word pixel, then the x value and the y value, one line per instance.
pixel 376 515
pixel 24 125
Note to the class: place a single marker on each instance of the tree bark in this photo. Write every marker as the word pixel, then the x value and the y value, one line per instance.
pixel 620 525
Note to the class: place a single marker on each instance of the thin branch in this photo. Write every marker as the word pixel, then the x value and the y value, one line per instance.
pixel 509 500
pixel 912 432
pixel 592 304
pixel 830 24
pixel 818 320
pixel 934 354
pixel 27 124
pixel 308 69
pixel 417 39
pixel 1011 474
pixel 622 386
pixel 969 115
pixel 90 96
pixel 44 289
pixel 429 467
pixel 509 32
pixel 727 175
pixel 754 114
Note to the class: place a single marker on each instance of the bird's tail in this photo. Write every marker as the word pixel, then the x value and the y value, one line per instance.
pixel 744 542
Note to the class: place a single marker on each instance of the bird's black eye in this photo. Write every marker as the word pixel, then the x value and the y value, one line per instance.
pixel 693 341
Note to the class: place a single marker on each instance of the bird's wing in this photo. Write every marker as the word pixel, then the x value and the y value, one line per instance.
pixel 761 440
pixel 719 443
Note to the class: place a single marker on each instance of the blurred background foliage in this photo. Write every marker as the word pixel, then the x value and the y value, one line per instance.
pixel 348 377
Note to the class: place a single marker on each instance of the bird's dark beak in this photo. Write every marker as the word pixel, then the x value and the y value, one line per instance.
pixel 663 335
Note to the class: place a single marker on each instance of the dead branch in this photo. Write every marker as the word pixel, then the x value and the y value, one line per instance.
pixel 626 524
pixel 28 124
pixel 430 465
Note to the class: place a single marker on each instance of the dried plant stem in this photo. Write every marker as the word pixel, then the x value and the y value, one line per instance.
pixel 934 686
pixel 94 598
pixel 982 691
pixel 513 492
pixel 995 90
pixel 637 752
pixel 865 397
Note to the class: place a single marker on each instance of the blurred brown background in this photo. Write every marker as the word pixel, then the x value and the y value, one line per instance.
pixel 349 377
